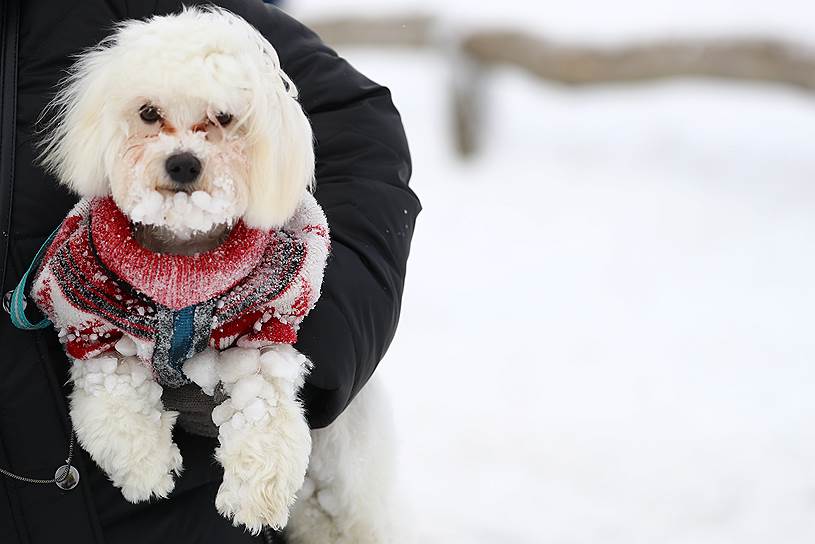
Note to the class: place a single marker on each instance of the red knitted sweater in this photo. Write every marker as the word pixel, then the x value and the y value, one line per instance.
pixel 97 283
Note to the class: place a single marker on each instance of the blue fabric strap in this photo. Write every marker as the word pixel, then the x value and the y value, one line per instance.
pixel 18 302
pixel 183 330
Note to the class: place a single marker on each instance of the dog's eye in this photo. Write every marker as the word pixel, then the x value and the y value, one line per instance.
pixel 149 114
pixel 224 118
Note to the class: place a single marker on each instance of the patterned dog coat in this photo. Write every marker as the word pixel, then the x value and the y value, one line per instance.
pixel 96 283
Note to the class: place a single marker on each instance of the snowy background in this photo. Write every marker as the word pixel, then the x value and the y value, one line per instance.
pixel 607 333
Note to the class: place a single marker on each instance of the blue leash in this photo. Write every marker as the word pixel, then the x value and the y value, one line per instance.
pixel 16 307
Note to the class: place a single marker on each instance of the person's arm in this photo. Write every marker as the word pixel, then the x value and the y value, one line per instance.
pixel 363 168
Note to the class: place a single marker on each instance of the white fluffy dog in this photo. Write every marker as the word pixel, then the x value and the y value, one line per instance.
pixel 188 124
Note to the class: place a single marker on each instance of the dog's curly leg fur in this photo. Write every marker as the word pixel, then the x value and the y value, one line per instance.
pixel 120 421
pixel 348 496
pixel 264 438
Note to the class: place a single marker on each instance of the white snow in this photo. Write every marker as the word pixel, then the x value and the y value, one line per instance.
pixel 184 214
pixel 286 364
pixel 607 331
pixel 235 363
pixel 201 370
pixel 222 413
pixel 126 346
pixel 246 390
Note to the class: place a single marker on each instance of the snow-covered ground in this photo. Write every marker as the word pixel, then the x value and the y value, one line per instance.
pixel 607 333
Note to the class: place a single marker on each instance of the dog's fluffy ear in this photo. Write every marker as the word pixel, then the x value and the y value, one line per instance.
pixel 76 141
pixel 281 156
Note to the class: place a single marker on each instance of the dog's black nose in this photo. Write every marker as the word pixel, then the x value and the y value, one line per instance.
pixel 183 167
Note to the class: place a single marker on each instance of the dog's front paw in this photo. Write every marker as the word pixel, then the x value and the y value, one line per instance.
pixel 119 419
pixel 253 500
pixel 264 466
pixel 154 478
pixel 145 467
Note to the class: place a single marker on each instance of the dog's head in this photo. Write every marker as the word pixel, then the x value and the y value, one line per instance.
pixel 187 120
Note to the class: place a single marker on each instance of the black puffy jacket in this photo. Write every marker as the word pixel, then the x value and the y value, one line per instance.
pixel 363 167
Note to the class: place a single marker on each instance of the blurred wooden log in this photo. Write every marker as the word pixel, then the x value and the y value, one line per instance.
pixel 398 31
pixel 466 81
pixel 741 59
pixel 746 60
pixel 470 56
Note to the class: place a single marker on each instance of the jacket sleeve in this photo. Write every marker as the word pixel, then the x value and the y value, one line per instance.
pixel 363 168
